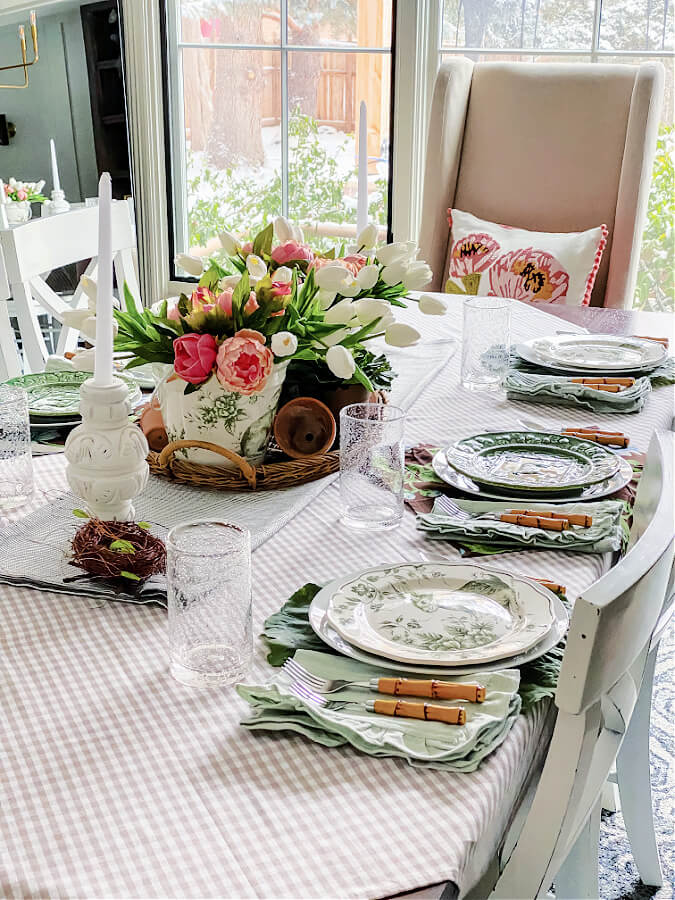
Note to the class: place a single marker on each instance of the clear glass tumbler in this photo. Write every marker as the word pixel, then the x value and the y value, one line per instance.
pixel 486 342
pixel 208 570
pixel 16 464
pixel 371 465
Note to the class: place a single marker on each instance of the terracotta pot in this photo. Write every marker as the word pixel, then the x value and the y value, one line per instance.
pixel 304 427
pixel 152 426
pixel 337 398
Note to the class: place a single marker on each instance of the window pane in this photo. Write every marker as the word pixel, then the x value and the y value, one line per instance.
pixel 230 21
pixel 636 25
pixel 325 91
pixel 512 24
pixel 364 23
pixel 232 109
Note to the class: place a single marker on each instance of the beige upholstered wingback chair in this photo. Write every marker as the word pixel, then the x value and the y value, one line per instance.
pixel 548 147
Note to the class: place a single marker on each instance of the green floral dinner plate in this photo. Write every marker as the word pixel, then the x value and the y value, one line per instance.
pixel 322 627
pixel 440 613
pixel 532 460
pixel 58 393
pixel 593 353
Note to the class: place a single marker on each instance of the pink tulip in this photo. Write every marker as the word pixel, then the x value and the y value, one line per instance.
pixel 244 363
pixel 225 302
pixel 21 194
pixel 195 355
pixel 247 248
pixel 291 251
pixel 173 314
pixel 279 289
pixel 200 297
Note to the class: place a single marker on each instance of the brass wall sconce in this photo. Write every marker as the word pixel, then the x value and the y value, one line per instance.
pixel 24 64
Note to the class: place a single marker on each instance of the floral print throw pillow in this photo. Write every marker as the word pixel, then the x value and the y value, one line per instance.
pixel 532 266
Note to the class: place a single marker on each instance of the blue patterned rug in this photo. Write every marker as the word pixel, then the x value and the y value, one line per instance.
pixel 619 879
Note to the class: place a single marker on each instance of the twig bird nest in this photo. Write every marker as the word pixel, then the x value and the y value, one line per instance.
pixel 118 550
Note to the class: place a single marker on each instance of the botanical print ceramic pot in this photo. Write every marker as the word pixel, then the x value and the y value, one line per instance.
pixel 18 211
pixel 239 422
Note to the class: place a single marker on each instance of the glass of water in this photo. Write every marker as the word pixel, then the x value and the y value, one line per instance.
pixel 208 570
pixel 486 342
pixel 371 465
pixel 16 464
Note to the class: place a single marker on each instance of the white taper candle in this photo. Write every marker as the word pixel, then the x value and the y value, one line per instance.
pixel 103 357
pixel 362 197
pixel 56 184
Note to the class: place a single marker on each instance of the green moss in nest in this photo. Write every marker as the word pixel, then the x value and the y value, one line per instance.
pixel 118 550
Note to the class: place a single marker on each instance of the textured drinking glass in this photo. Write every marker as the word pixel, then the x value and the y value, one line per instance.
pixel 16 465
pixel 486 342
pixel 371 465
pixel 208 569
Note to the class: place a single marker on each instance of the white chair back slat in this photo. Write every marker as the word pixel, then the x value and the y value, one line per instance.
pixel 610 636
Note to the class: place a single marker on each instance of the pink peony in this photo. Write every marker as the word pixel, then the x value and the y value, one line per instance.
pixel 225 302
pixel 195 355
pixel 244 362
pixel 291 251
pixel 530 275
pixel 21 194
pixel 474 253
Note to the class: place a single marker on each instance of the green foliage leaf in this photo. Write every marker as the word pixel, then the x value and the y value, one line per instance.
pixel 80 513
pixel 262 243
pixel 129 302
pixel 122 546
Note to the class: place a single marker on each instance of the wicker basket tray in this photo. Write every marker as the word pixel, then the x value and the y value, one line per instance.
pixel 264 477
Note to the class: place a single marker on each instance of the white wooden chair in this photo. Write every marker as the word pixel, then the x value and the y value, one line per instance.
pixel 28 251
pixel 605 668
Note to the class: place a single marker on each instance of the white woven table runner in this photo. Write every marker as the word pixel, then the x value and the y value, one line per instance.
pixel 119 782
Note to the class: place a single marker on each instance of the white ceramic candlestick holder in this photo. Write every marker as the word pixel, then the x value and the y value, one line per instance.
pixel 58 203
pixel 106 453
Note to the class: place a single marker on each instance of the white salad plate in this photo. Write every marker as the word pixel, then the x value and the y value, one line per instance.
pixel 593 353
pixel 454 478
pixel 323 629
pixel 440 613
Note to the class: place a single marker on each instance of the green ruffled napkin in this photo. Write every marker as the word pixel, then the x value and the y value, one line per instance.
pixel 455 748
pixel 527 383
pixel 484 528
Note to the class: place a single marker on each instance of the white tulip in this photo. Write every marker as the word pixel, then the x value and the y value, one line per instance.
pixel 366 239
pixel 88 327
pixel 256 267
pixel 341 363
pixel 229 243
pixel 298 235
pixel 340 314
pixel 331 277
pixel 74 318
pixel 38 187
pixel 328 340
pixel 393 273
pixel 370 308
pixel 432 306
pixel 284 343
pixel 230 281
pixel 401 335
pixel 283 275
pixel 190 264
pixel 367 277
pixel 83 361
pixel 350 288
pixel 417 276
pixel 89 287
pixel 411 250
pixel 393 253
pixel 326 298
pixel 283 229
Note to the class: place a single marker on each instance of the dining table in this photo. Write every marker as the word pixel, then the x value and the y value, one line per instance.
pixel 117 781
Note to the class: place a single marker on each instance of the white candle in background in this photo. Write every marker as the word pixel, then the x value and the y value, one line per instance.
pixel 362 197
pixel 56 184
pixel 3 212
pixel 103 357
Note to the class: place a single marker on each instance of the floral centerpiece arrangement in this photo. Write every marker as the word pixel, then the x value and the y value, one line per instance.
pixel 266 310
pixel 21 194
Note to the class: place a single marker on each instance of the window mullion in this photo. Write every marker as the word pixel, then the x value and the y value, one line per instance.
pixel 284 107
pixel 597 15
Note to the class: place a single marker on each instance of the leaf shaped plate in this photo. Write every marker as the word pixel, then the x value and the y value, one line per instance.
pixel 440 613
pixel 593 353
pixel 322 627
pixel 58 393
pixel 532 460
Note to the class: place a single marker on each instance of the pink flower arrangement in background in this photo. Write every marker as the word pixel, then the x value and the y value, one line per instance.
pixel 353 264
pixel 291 251
pixel 195 356
pixel 474 253
pixel 244 363
pixel 530 275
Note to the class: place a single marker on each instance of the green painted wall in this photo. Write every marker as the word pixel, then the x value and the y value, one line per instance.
pixel 55 104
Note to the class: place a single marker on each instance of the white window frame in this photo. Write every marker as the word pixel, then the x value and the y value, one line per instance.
pixel 415 62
